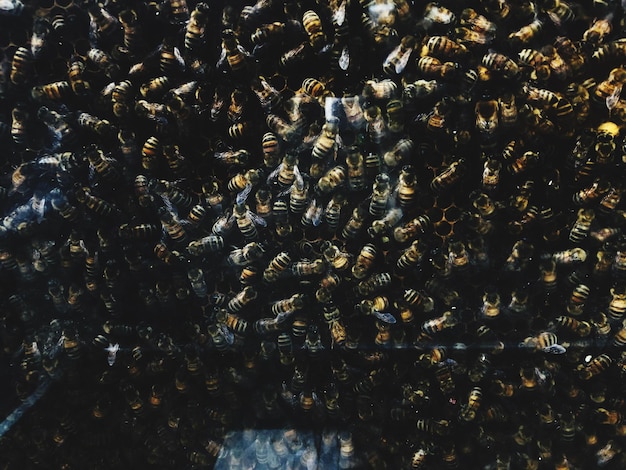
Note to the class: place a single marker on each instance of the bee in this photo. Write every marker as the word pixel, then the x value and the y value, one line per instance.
pixel 579 327
pixel 598 189
pixel 449 177
pixel 99 206
pixel 580 229
pixel 103 61
pixel 410 229
pixel 327 285
pixel 263 200
pixel 538 62
pixel 271 150
pixel 139 231
pixel 276 266
pixel 496 62
pixel 287 132
pixel 433 68
pixel 439 324
pixel 355 169
pixel 172 226
pixel 375 90
pixel 598 31
pixel 353 111
pixel 195 31
pixel 102 127
pixel 233 54
pixel 617 304
pixel 364 261
pixel 373 283
pixel 433 427
pixel 313 27
pixel 308 268
pixel 288 305
pixel 155 87
pixel 241 181
pixel 526 34
pixel 332 212
pixel 243 298
pixel 381 192
pixel 332 179
pixel 247 220
pixel 251 252
pixel 594 366
pixel 233 157
pixel 325 146
pixel 19 118
pixel 570 52
pixel 134 43
pixel 355 224
pixel 54 91
pixel 410 257
pixel 75 73
pixel 102 23
pixel 338 259
pixel 198 284
pixel 469 410
pixel 400 152
pixel 487 116
pixel 443 47
pixel 397 60
pixel 21 66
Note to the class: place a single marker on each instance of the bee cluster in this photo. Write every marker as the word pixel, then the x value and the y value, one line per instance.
pixel 365 234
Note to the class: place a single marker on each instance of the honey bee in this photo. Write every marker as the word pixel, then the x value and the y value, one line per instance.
pixel 433 68
pixel 436 325
pixel 594 366
pixel 355 224
pixel 21 66
pixel 313 27
pixel 410 229
pixel 598 31
pixel 196 28
pixel 433 427
pixel 496 62
pixel 271 150
pixel 103 61
pixel 579 327
pixel 449 177
pixel 617 304
pixel 598 189
pixel 400 152
pixel 57 123
pixel 526 34
pixel 381 192
pixel 251 252
pixel 397 60
pixel 487 116
pixel 19 118
pixel 101 127
pixel 276 266
pixel 443 47
pixel 333 178
pixel 288 305
pixel 241 181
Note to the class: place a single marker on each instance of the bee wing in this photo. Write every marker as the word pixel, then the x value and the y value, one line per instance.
pixel 613 98
pixel 243 195
pixel 274 173
pixel 112 349
pixel 299 180
pixel 554 349
pixel 403 61
pixel 344 58
pixel 383 316
pixel 256 219
pixel 228 335
pixel 339 15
